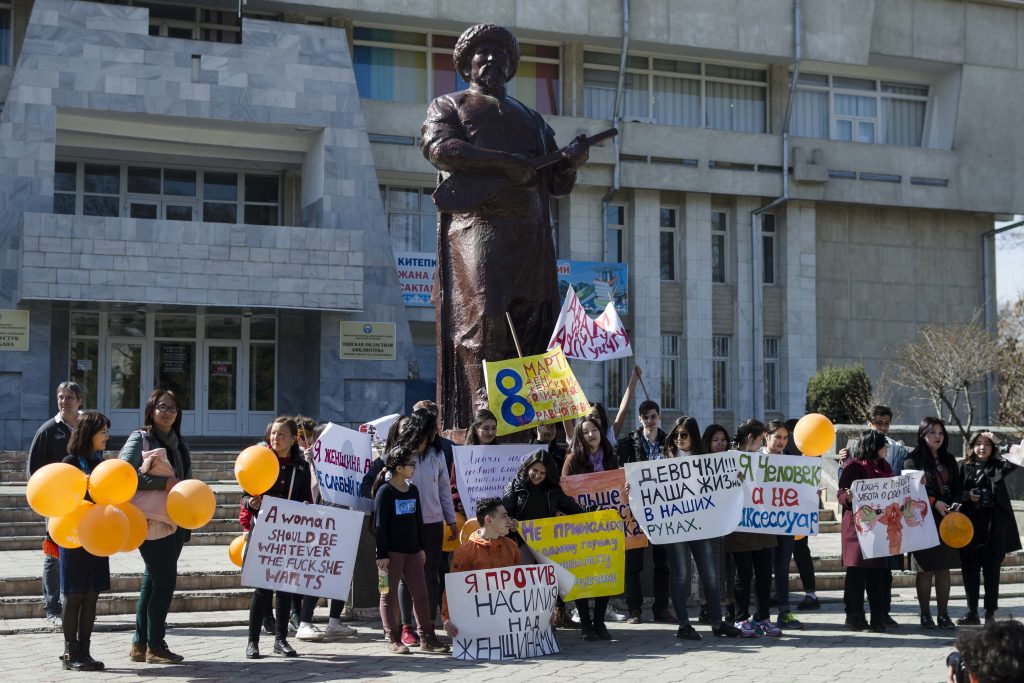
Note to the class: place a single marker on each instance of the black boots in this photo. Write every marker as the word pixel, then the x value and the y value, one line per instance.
pixel 95 664
pixel 75 660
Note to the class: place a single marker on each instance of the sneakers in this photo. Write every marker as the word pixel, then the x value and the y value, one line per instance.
pixel 926 622
pixel 397 648
pixel 431 643
pixel 808 603
pixel 767 628
pixel 634 617
pixel 788 620
pixel 293 622
pixel 687 632
pixel 969 619
pixel 725 629
pixel 575 617
pixel 613 615
pixel 335 631
pixel 747 628
pixel 409 637
pixel 309 632
pixel 54 622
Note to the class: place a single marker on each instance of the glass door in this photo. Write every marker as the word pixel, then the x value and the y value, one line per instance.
pixel 222 388
pixel 125 400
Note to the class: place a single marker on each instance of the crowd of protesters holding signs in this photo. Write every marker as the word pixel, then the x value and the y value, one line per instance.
pixel 533 556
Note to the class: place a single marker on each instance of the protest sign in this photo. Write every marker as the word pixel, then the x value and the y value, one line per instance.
pixel 606 489
pixel 1016 454
pixel 780 494
pixel 533 390
pixel 892 516
pixel 483 471
pixel 591 546
pixel 304 549
pixel 597 283
pixel 378 429
pixel 341 457
pixel 502 613
pixel 688 498
pixel 416 276
pixel 583 338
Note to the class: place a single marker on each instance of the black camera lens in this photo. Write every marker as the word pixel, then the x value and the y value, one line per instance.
pixel 956 661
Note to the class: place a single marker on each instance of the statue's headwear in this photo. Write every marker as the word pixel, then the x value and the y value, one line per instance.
pixel 474 35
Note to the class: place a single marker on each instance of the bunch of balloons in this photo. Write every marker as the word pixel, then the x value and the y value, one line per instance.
pixel 256 470
pixel 109 523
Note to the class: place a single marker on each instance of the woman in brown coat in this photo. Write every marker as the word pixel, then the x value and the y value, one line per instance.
pixel 869 463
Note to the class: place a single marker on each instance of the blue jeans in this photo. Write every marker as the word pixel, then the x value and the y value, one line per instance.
pixel 51 586
pixel 783 554
pixel 679 563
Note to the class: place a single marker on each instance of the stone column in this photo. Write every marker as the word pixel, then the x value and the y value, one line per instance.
pixel 696 235
pixel 799 352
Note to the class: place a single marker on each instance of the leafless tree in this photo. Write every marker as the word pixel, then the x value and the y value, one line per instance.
pixel 1011 363
pixel 944 363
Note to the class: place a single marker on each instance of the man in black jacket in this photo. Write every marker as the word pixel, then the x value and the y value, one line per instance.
pixel 50 445
pixel 645 443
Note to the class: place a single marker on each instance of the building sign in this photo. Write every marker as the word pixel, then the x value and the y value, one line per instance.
pixel 13 330
pixel 367 341
pixel 416 276
pixel 596 282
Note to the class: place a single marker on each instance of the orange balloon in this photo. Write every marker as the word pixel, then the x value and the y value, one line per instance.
pixel 236 551
pixel 113 482
pixel 137 527
pixel 64 530
pixel 256 470
pixel 451 545
pixel 56 489
pixel 814 434
pixel 103 530
pixel 956 530
pixel 191 504
pixel 468 528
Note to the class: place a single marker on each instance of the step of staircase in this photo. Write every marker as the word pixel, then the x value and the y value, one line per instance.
pixel 198 538
pixel 12 515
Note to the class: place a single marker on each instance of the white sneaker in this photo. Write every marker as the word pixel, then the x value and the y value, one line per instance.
pixel 309 632
pixel 575 616
pixel 54 622
pixel 335 631
pixel 612 615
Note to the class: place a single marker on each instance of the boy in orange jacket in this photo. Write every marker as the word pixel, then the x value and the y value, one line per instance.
pixel 489 547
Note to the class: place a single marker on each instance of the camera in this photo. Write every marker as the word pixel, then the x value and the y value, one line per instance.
pixel 986 500
pixel 955 661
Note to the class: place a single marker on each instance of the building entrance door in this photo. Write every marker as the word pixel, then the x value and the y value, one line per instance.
pixel 124 374
pixel 224 380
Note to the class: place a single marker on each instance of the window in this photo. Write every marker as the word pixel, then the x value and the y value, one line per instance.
pixel 771 373
pixel 720 372
pixel 616 215
pixel 719 263
pixel 192 23
pixel 677 92
pixel 262 355
pixel 412 218
pixel 667 245
pixel 768 248
pixel 84 364
pixel 409 66
pixel 859 110
pixel 6 35
pixel 616 377
pixel 155 193
pixel 669 371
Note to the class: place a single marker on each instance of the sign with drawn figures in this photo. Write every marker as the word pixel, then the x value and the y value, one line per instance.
pixel 526 392
pixel 584 338
pixel 688 498
pixel 607 490
pixel 416 276
pixel 483 471
pixel 591 546
pixel 780 494
pixel 892 516
pixel 14 327
pixel 597 284
pixel 341 458
pixel 367 341
pixel 303 549
pixel 503 613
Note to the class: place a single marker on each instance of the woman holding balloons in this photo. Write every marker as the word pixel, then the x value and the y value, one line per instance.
pixel 942 482
pixel 292 483
pixel 162 429
pixel 987 504
pixel 83 576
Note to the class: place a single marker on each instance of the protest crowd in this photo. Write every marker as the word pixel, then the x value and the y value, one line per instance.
pixel 419 489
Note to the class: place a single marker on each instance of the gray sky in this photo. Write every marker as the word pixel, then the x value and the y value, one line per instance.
pixel 1010 262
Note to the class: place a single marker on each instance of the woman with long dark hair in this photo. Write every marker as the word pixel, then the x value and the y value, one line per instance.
pixel 83 576
pixel 942 482
pixel 591 452
pixel 776 438
pixel 162 429
pixel 869 463
pixel 715 439
pixel 987 502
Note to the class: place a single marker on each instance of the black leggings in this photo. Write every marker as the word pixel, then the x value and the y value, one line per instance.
pixel 79 616
pixel 804 564
pixel 600 606
pixel 754 566
pixel 261 597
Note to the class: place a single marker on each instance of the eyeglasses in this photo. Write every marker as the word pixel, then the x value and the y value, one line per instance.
pixel 679 436
pixel 162 408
